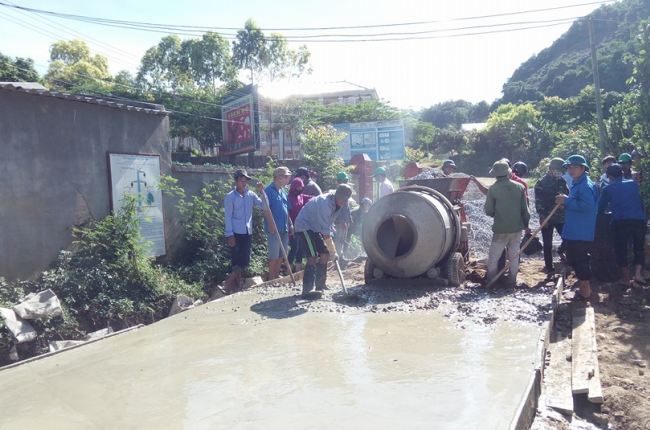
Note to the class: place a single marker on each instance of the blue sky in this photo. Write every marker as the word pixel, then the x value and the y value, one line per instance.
pixel 409 73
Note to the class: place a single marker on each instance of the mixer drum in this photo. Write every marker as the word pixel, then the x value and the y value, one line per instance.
pixel 410 231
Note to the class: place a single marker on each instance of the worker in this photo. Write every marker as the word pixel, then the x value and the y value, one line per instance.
pixel 313 229
pixel 549 186
pixel 279 205
pixel 581 206
pixel 311 187
pixel 521 168
pixel 238 208
pixel 604 164
pixel 342 178
pixel 298 200
pixel 385 186
pixel 625 160
pixel 628 221
pixel 507 204
pixel 448 167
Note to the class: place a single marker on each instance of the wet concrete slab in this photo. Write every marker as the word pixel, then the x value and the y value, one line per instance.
pixel 264 360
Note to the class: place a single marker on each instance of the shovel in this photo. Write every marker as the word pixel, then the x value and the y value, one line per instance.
pixel 532 236
pixel 338 269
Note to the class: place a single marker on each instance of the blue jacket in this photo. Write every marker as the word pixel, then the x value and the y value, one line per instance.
pixel 626 203
pixel 581 209
pixel 319 214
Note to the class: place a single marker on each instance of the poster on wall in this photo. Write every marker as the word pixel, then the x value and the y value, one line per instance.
pixel 381 140
pixel 240 126
pixel 138 175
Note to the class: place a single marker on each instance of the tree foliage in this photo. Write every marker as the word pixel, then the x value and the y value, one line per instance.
pixel 17 70
pixel 268 58
pixel 72 65
pixel 319 146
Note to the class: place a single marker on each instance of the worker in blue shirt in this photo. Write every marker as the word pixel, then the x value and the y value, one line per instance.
pixel 280 205
pixel 628 221
pixel 581 206
pixel 238 208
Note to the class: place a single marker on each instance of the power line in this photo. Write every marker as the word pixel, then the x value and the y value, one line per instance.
pixel 168 27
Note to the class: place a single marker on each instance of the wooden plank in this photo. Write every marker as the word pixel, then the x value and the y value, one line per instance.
pixel 557 384
pixel 584 353
pixel 595 389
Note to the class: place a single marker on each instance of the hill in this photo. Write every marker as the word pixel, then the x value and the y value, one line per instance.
pixel 564 68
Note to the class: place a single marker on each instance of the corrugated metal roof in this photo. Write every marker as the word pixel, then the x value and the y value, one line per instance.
pixel 130 105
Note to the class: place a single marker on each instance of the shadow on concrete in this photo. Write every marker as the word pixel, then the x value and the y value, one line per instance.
pixel 280 308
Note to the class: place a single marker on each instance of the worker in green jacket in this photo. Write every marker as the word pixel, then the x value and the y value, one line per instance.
pixel 506 202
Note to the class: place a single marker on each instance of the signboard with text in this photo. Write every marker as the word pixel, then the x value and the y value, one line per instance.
pixel 240 116
pixel 381 140
pixel 138 175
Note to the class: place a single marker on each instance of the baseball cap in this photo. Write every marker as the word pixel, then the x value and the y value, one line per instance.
pixel 302 171
pixel 281 171
pixel 239 173
pixel 343 192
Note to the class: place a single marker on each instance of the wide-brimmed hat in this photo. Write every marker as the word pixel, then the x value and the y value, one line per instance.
pixel 556 164
pixel 239 173
pixel 608 159
pixel 625 158
pixel 343 192
pixel 500 168
pixel 576 160
pixel 281 171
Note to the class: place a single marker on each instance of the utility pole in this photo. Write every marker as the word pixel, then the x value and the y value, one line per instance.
pixel 599 107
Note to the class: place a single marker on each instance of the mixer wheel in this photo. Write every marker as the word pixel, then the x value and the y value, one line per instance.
pixel 455 269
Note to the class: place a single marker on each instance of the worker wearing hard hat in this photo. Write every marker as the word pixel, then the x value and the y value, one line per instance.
pixel 625 160
pixel 385 186
pixel 448 167
pixel 581 206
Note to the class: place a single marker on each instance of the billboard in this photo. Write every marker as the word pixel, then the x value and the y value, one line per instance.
pixel 381 140
pixel 240 121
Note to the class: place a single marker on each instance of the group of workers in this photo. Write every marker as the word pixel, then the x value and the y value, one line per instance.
pixel 304 218
pixel 570 207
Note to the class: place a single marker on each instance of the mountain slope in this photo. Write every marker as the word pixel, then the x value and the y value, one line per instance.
pixel 564 68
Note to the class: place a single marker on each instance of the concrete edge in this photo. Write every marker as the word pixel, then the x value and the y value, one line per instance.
pixel 527 409
pixel 49 354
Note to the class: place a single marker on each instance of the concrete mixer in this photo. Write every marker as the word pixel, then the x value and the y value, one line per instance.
pixel 419 231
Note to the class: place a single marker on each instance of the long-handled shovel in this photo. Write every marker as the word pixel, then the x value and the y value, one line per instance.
pixel 277 233
pixel 541 226
pixel 338 269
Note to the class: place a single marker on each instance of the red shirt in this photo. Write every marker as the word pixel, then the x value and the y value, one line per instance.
pixel 517 179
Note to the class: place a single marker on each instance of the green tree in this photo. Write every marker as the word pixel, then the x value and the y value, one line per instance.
pixel 319 146
pixel 72 66
pixel 17 70
pixel 268 58
pixel 423 136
